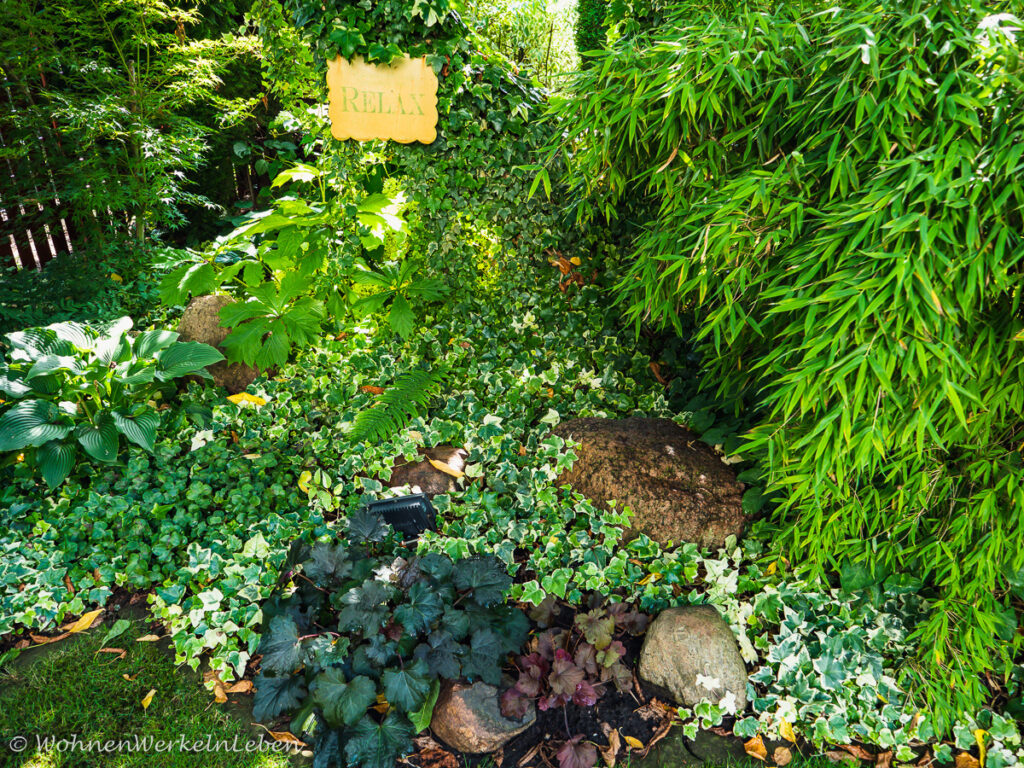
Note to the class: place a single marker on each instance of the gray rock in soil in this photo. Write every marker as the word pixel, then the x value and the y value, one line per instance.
pixel 678 488
pixel 468 718
pixel 424 475
pixel 692 640
pixel 201 322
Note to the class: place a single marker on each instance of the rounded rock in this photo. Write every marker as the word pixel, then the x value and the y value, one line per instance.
pixel 468 718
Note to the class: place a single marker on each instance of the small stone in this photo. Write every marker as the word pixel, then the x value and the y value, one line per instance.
pixel 694 640
pixel 201 322
pixel 468 718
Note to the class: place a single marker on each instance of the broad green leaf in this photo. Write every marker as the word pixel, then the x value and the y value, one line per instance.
pixel 30 423
pixel 140 427
pixel 280 646
pixel 56 460
pixel 379 745
pixel 407 688
pixel 99 439
pixel 184 358
pixel 277 695
pixel 344 702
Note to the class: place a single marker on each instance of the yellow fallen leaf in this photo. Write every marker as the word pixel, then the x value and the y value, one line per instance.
pixel 219 694
pixel 967 760
pixel 609 752
pixel 147 639
pixel 84 623
pixel 251 456
pixel 650 578
pixel 782 756
pixel 633 742
pixel 440 466
pixel 755 748
pixel 129 678
pixel 786 731
pixel 772 568
pixel 149 698
pixel 284 737
pixel 244 398
pixel 304 479
pixel 979 736
pixel 382 704
pixel 575 260
pixel 116 277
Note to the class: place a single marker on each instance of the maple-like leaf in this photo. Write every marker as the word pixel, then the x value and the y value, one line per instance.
pixel 565 675
pixel 576 753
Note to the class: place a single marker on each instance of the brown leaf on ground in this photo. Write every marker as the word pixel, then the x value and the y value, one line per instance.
pixel 436 757
pixel 656 370
pixel 967 760
pixel 529 755
pixel 840 756
pixel 371 389
pixel 284 737
pixel 782 756
pixel 43 639
pixel 756 749
pixel 884 759
pixel 242 686
pixel 67 583
pixel 129 678
pixel 608 753
pixel 21 645
pixel 121 652
pixel 858 751
pixel 147 639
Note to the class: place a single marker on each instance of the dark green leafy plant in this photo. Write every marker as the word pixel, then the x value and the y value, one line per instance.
pixel 591 30
pixel 393 286
pixel 77 387
pixel 834 200
pixel 366 622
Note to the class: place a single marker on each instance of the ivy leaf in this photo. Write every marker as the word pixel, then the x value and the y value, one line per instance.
pixel 379 745
pixel 365 526
pixel 344 702
pixel 576 753
pixel 328 564
pixel 280 647
pixel 407 688
pixel 277 695
pixel 598 627
pixel 422 608
pixel 484 577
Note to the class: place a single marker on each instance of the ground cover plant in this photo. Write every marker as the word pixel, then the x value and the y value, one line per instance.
pixel 515 335
pixel 812 208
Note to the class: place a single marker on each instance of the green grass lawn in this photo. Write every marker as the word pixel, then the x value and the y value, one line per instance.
pixel 67 690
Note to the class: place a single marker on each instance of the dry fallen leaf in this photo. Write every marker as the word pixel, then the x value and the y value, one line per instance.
pixel 884 759
pixel 609 752
pixel 967 760
pixel 440 466
pixel 129 678
pixel 755 748
pixel 67 583
pixel 83 623
pixel 785 729
pixel 149 698
pixel 242 686
pixel 371 389
pixel 43 639
pixel 21 645
pixel 633 743
pixel 219 694
pixel 782 756
pixel 121 652
pixel 147 639
pixel 858 751
pixel 839 756
pixel 284 737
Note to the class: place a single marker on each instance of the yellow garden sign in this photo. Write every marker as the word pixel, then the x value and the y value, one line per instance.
pixel 395 101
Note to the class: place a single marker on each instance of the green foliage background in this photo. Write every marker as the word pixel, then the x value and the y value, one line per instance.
pixel 833 199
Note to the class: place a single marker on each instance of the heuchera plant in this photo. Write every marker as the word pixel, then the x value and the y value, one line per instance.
pixel 575 666
pixel 358 647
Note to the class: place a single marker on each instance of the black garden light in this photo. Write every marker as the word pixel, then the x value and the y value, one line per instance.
pixel 410 515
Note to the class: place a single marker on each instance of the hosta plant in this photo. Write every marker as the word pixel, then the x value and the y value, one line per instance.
pixel 357 647
pixel 574 666
pixel 70 387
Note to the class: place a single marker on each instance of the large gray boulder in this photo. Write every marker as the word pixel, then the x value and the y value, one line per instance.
pixel 677 487
pixel 201 322
pixel 691 653
pixel 468 718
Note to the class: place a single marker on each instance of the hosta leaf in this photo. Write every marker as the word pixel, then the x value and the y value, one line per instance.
pixel 407 688
pixel 484 577
pixel 184 358
pixel 280 647
pixel 422 608
pixel 38 342
pixel 30 423
pixel 277 695
pixel 55 460
pixel 148 343
pixel 11 383
pixel 100 440
pixel 139 427
pixel 379 745
pixel 344 702
pixel 52 363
